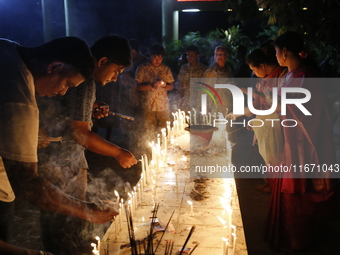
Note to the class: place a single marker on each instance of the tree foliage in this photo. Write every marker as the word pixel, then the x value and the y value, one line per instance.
pixel 318 21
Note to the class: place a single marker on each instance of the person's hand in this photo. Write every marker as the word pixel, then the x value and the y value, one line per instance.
pixel 160 84
pixel 231 116
pixel 43 141
pixel 103 213
pixel 126 158
pixel 100 110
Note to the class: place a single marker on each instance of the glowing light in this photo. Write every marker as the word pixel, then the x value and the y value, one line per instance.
pixel 229 10
pixel 116 193
pixel 304 8
pixel 191 10
pixel 261 9
pixel 222 220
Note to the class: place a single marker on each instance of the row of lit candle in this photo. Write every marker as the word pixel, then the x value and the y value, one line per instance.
pixel 159 152
pixel 229 230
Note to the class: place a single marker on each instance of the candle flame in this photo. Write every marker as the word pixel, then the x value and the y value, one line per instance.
pixel 97 238
pixel 225 240
pixel 129 194
pixel 116 193
pixel 93 245
pixel 222 220
pixel 190 203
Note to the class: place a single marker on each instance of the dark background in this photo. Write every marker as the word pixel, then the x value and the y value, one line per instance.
pixel 22 20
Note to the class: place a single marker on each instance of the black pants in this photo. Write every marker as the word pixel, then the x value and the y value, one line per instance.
pixel 6 219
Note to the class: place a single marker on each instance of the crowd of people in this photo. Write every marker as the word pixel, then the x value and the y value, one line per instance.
pixel 52 88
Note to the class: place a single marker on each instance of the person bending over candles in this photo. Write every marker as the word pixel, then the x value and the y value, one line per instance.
pixel 71 117
pixel 26 72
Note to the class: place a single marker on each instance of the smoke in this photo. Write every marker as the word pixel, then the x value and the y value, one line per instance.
pixel 103 187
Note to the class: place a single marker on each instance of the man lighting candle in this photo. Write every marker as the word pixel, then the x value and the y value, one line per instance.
pixel 72 120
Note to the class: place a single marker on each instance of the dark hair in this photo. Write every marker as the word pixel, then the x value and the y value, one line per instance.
pixel 258 56
pixel 157 49
pixel 193 48
pixel 69 50
pixel 134 44
pixel 116 48
pixel 292 41
pixel 221 48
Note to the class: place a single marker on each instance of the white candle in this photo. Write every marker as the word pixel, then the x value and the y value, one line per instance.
pixel 130 207
pixel 120 214
pixel 98 243
pixel 143 171
pixel 234 243
pixel 117 196
pixel 159 140
pixel 142 184
pixel 123 205
pixel 168 128
pixel 146 164
pixel 140 195
pixel 152 145
pixel 116 227
pixel 175 127
pixel 209 122
pixel 191 208
pixel 134 194
pixel 130 202
pixel 225 246
pixel 165 140
pixel 183 120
